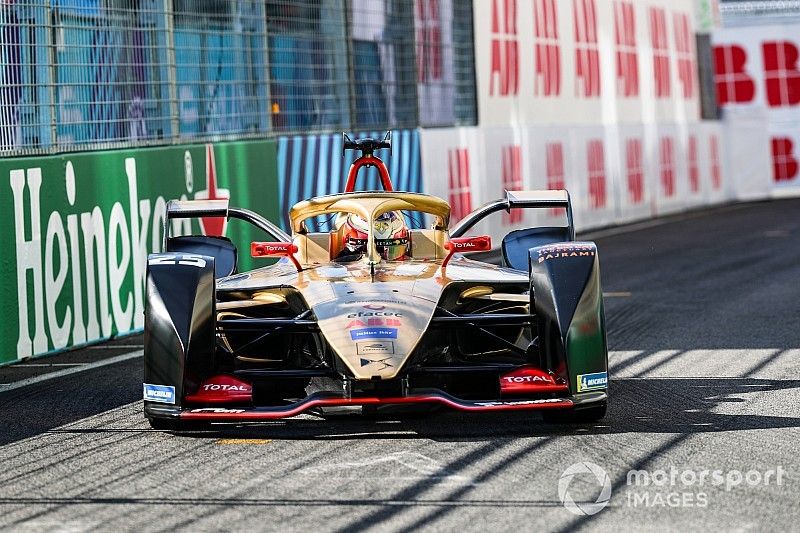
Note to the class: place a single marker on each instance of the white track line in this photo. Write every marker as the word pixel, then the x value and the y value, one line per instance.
pixel 114 346
pixel 68 371
pixel 45 365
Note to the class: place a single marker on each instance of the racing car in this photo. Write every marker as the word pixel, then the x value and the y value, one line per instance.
pixel 374 303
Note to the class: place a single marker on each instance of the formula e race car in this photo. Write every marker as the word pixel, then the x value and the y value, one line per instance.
pixel 384 310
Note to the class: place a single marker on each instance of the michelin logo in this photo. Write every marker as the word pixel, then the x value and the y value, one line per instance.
pixel 159 393
pixel 598 380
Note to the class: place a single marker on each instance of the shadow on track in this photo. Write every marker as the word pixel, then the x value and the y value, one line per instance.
pixel 36 409
pixel 650 405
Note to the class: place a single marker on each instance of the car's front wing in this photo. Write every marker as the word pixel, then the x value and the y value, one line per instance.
pixel 322 400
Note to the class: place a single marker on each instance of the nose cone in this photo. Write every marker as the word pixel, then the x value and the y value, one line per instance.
pixel 375 333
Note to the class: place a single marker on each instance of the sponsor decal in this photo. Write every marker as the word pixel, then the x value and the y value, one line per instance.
pixel 274 249
pixel 366 362
pixel 460 192
pixel 221 388
pixel 373 322
pixel 361 314
pixel 519 402
pixel 598 380
pixel 159 393
pixel 528 379
pixel 97 249
pixel 375 307
pixel 504 69
pixel 221 410
pixel 225 387
pixel 469 244
pixel 563 251
pixel 374 347
pixel 373 333
pixel 512 178
pixel 81 256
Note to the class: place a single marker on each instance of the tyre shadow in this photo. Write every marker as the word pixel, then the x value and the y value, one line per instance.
pixel 648 405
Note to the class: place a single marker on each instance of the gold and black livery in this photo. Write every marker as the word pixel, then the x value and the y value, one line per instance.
pixel 314 334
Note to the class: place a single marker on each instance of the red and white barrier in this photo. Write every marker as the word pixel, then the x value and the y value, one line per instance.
pixel 601 97
pixel 758 87
pixel 585 62
pixel 614 174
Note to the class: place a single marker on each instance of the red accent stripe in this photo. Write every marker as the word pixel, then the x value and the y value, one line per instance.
pixel 534 389
pixel 300 407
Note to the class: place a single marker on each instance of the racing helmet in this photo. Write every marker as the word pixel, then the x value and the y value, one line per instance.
pixel 391 235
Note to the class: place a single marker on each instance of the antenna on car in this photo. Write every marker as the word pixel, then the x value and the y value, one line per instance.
pixel 347 143
pixel 387 141
pixel 367 146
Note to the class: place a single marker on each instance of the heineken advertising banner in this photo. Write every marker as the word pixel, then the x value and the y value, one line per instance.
pixel 78 227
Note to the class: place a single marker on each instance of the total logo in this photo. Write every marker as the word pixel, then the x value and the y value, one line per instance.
pixel 231 388
pixel 273 248
pixel 528 379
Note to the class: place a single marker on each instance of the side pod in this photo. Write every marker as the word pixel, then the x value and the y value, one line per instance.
pixel 179 328
pixel 568 301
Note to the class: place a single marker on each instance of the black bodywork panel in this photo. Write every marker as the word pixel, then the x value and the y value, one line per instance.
pixel 567 300
pixel 179 338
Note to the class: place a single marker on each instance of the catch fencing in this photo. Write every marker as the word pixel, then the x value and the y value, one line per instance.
pixel 98 74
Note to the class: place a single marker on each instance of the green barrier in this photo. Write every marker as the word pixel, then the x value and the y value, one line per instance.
pixel 78 227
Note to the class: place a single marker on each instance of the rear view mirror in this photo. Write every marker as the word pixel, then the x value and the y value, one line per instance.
pixel 275 249
pixel 482 243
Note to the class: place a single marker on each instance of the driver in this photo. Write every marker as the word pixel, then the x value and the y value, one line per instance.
pixel 391 237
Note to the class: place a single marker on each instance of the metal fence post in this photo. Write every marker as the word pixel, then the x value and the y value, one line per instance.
pixel 351 69
pixel 267 74
pixel 172 75
pixel 52 75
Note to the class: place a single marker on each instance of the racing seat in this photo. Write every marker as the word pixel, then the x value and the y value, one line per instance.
pixel 220 248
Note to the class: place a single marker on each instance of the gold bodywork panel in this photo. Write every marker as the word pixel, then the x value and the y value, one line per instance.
pixel 372 322
pixel 373 313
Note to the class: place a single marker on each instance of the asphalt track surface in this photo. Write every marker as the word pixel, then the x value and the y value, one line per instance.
pixel 702 315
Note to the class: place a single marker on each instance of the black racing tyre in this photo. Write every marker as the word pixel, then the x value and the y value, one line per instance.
pixel 583 415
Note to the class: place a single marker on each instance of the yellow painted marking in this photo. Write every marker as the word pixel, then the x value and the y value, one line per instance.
pixel 623 294
pixel 243 441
